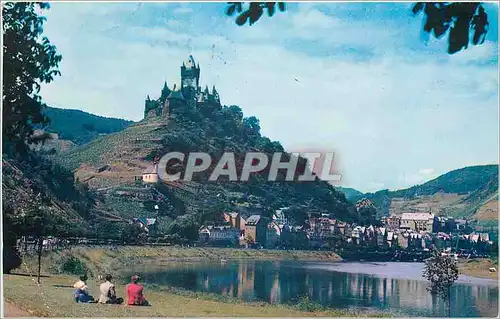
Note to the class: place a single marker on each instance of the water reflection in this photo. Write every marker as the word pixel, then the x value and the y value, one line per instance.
pixel 279 282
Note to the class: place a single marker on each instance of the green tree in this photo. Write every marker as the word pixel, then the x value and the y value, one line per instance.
pixel 186 227
pixel 442 272
pixel 249 241
pixel 132 233
pixel 458 20
pixel 11 256
pixel 28 60
pixel 367 213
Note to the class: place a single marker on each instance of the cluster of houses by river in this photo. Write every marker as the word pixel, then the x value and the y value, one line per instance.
pixel 409 231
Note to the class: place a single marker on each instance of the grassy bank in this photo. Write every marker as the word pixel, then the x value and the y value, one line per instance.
pixel 479 268
pixel 54 298
pixel 100 260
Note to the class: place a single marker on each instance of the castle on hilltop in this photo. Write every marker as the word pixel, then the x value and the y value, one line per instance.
pixel 189 94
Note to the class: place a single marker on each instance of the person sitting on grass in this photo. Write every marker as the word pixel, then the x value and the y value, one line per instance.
pixel 108 293
pixel 135 293
pixel 81 293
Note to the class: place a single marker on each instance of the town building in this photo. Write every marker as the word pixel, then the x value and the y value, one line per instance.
pixel 418 222
pixel 219 235
pixel 403 238
pixel 393 222
pixel 461 224
pixel 279 217
pixel 392 239
pixel 256 229
pixel 273 234
pixel 381 237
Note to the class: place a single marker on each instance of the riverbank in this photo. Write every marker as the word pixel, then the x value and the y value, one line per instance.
pixel 478 268
pixel 53 297
pixel 107 259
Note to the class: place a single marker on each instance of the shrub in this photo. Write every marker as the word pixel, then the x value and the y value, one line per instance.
pixel 73 265
pixel 306 304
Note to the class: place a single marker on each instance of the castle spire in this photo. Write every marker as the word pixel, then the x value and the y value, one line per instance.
pixel 165 91
pixel 215 95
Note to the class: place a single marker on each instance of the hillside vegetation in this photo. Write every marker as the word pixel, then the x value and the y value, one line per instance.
pixel 81 127
pixel 470 192
pixel 350 193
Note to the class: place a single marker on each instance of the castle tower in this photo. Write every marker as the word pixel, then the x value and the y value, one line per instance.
pixel 190 78
pixel 151 108
pixel 164 92
pixel 175 99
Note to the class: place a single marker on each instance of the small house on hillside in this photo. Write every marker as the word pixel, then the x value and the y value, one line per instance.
pixel 150 174
pixel 145 223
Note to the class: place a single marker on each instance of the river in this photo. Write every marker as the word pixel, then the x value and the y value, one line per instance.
pixel 394 287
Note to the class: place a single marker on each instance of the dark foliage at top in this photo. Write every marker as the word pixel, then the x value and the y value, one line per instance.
pixel 28 60
pixel 456 19
pixel 254 12
pixel 81 127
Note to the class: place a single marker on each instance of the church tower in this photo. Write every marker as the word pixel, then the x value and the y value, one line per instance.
pixel 190 79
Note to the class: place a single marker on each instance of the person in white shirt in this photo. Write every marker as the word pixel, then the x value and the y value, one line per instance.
pixel 82 290
pixel 108 293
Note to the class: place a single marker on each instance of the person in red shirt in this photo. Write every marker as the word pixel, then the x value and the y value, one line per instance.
pixel 135 293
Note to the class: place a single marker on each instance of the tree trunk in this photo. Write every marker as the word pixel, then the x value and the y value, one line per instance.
pixel 449 302
pixel 40 246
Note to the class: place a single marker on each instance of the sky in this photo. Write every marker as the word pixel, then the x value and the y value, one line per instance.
pixel 360 79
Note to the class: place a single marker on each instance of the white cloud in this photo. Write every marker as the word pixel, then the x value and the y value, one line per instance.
pixel 476 53
pixel 422 176
pixel 312 18
pixel 183 10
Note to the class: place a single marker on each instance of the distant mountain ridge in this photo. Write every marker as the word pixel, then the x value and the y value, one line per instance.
pixel 463 193
pixel 350 193
pixel 81 127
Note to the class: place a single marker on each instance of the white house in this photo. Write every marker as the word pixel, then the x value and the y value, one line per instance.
pixel 150 174
pixel 219 234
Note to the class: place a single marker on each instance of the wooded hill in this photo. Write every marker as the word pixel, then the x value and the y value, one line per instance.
pixel 81 127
